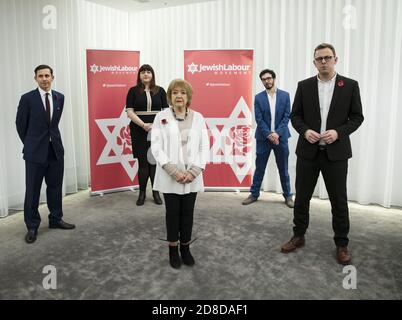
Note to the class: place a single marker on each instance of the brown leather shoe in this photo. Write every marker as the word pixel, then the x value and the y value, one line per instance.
pixel 250 199
pixel 293 244
pixel 343 255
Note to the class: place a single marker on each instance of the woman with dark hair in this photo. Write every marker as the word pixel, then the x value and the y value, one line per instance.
pixel 143 102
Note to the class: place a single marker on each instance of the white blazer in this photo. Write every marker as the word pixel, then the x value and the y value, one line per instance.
pixel 166 147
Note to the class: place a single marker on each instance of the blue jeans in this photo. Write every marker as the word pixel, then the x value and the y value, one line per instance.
pixel 281 152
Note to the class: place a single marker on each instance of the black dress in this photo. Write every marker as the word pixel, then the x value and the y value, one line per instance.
pixel 137 100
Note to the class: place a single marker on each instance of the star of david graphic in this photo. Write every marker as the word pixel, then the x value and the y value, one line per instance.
pixel 193 68
pixel 232 139
pixel 94 68
pixel 116 148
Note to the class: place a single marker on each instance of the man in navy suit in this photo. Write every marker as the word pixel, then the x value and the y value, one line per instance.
pixel 327 108
pixel 38 117
pixel 272 109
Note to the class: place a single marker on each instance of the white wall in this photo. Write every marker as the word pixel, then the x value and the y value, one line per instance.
pixel 26 43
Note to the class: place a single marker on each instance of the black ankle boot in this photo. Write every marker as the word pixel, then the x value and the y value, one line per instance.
pixel 174 258
pixel 141 198
pixel 186 255
pixel 157 198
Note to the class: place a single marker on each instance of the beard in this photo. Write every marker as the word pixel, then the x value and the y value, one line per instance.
pixel 269 86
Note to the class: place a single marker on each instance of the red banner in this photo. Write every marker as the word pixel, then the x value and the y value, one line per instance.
pixel 110 74
pixel 222 83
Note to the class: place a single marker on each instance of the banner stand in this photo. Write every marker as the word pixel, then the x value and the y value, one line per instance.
pixel 110 74
pixel 226 189
pixel 103 192
pixel 222 92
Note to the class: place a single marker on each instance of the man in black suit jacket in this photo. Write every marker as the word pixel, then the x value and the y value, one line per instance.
pixel 326 110
pixel 38 118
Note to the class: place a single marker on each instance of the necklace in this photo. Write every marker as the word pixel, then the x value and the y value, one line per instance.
pixel 177 118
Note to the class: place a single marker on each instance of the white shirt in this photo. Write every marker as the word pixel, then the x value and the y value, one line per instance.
pixel 43 96
pixel 272 107
pixel 166 147
pixel 325 93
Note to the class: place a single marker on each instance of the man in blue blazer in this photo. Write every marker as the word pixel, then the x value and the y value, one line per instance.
pixel 38 118
pixel 272 109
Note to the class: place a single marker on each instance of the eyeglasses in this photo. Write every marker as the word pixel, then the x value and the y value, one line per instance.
pixel 322 59
pixel 266 79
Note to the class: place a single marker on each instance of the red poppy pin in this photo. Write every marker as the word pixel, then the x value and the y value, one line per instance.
pixel 341 83
pixel 164 121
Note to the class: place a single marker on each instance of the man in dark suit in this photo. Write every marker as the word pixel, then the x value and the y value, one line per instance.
pixel 272 109
pixel 326 110
pixel 38 117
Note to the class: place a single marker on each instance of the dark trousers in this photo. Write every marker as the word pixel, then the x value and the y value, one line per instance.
pixel 145 171
pixel 281 152
pixel 334 174
pixel 179 216
pixel 52 171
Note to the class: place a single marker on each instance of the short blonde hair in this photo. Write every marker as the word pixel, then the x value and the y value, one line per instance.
pixel 182 84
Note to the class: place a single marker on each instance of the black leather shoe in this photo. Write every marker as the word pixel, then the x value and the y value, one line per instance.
pixel 157 198
pixel 141 198
pixel 31 236
pixel 61 225
pixel 174 257
pixel 186 256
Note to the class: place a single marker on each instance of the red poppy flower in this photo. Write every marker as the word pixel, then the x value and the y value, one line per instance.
pixel 341 83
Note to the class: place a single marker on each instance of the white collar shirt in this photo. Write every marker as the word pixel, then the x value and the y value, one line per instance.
pixel 325 93
pixel 272 107
pixel 43 97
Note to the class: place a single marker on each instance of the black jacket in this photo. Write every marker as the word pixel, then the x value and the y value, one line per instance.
pixel 344 115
